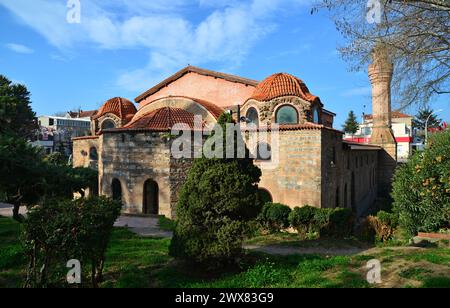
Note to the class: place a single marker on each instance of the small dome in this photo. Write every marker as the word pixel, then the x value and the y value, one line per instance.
pixel 162 119
pixel 279 85
pixel 118 106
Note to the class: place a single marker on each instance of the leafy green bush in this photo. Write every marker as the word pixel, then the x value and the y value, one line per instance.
pixel 303 219
pixel 340 223
pixel 421 188
pixel 58 231
pixel 216 203
pixel 389 219
pixel 275 216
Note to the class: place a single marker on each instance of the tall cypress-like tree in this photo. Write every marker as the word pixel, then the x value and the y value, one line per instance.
pixel 351 125
pixel 217 200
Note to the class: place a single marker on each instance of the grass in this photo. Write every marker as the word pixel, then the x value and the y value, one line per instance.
pixel 166 224
pixel 133 261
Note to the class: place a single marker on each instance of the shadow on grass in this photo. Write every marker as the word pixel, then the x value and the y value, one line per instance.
pixel 133 261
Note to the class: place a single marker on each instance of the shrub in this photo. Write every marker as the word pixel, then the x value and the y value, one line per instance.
pixel 340 223
pixel 58 231
pixel 374 228
pixel 303 219
pixel 421 188
pixel 275 216
pixel 389 219
pixel 380 227
pixel 216 203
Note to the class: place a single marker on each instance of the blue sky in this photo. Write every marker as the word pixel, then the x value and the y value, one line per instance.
pixel 122 48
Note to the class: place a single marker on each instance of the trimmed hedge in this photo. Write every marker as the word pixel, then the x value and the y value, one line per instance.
pixel 327 222
pixel 275 216
pixel 303 219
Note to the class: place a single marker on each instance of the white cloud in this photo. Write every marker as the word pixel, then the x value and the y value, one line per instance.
pixel 225 33
pixel 19 48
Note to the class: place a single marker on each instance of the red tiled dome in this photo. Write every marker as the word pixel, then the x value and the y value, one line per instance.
pixel 282 84
pixel 121 107
pixel 212 108
pixel 162 119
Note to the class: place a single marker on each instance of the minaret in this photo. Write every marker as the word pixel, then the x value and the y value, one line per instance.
pixel 380 74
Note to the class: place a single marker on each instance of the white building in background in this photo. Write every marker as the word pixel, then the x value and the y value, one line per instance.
pixel 401 126
pixel 56 133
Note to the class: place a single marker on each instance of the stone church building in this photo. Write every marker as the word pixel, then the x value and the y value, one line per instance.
pixel 130 143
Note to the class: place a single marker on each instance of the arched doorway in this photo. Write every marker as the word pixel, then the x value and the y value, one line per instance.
pixel 151 198
pixel 116 190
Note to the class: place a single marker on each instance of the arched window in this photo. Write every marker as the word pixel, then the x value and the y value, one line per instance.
pixel 264 152
pixel 316 118
pixel 151 198
pixel 264 196
pixel 108 124
pixel 93 155
pixel 252 116
pixel 287 115
pixel 116 190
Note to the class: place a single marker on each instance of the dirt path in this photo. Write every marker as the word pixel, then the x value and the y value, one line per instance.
pixel 143 226
pixel 290 250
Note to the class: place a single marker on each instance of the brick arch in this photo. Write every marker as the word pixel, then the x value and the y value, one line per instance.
pixel 107 117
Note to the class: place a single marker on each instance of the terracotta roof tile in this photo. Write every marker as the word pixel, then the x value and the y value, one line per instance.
pixel 162 119
pixel 121 107
pixel 305 126
pixel 282 84
pixel 215 110
pixel 394 114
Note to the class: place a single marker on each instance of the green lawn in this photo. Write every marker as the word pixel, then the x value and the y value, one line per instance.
pixel 133 261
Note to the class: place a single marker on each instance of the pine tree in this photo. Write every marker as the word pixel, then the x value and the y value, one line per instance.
pixel 351 125
pixel 216 202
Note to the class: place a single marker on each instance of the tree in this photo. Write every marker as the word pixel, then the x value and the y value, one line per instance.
pixel 215 204
pixel 21 172
pixel 421 188
pixel 421 118
pixel 16 115
pixel 351 125
pixel 416 33
pixel 26 177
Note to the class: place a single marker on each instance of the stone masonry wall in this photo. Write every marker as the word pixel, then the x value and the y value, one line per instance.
pixel 81 152
pixel 296 181
pixel 133 159
pixel 348 176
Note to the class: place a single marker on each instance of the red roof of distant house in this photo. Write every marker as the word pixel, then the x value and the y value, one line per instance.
pixel 394 114
pixel 282 84
pixel 162 119
pixel 82 114
pixel 118 106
